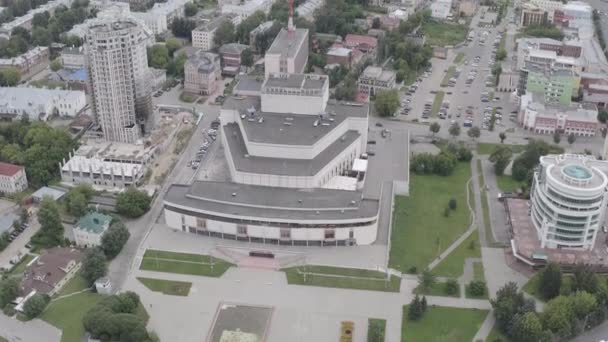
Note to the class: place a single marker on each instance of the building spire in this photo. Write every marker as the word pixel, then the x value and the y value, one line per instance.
pixel 290 27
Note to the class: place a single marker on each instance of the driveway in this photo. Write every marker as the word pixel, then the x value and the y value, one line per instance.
pixel 35 330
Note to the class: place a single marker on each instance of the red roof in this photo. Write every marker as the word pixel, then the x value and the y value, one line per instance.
pixel 353 40
pixel 7 169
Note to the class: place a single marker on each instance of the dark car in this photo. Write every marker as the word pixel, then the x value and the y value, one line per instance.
pixel 379 124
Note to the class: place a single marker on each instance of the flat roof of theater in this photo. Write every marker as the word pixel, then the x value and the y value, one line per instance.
pixel 272 202
pixel 291 129
pixel 282 166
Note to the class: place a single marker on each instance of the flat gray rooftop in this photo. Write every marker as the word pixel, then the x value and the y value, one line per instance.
pixel 282 166
pixel 297 81
pixel 272 202
pixel 286 46
pixel 291 129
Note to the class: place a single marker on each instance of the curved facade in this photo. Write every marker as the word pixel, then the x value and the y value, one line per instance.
pixel 568 200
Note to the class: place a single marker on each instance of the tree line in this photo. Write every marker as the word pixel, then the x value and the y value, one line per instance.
pixel 18 8
pixel 442 164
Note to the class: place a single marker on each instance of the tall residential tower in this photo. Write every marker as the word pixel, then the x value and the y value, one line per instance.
pixel 118 65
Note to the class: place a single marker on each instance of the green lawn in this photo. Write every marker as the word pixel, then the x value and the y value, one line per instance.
pixel 488 148
pixel 459 58
pixel 183 263
pixel 375 330
pixel 508 184
pixel 19 268
pixel 420 230
pixel 442 34
pixel 478 271
pixel 443 324
pixel 437 103
pixel 326 277
pixel 453 265
pixel 2 339
pixel 78 283
pixel 168 287
pixel 438 289
pixel 66 314
pixel 448 74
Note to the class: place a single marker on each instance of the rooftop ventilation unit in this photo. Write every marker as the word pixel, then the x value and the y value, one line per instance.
pixel 288 119
pixel 316 123
pixel 353 202
pixel 260 120
pixel 286 123
pixel 234 194
pixel 325 124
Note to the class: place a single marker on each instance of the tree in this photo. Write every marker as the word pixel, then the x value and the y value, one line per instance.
pixel 190 9
pixel 56 64
pixel 20 31
pixel 76 204
pixel 376 23
pixel 94 265
pixel 247 58
pixel 502 136
pixel 434 128
pixel 9 77
pixel 132 203
pixel 508 303
pixel 414 311
pixel 35 305
pixel 501 54
pixel 527 328
pixel 451 287
pixel 571 138
pixel 9 290
pixel 172 45
pixel 584 279
pixel 454 130
pixel 114 318
pixel 558 316
pixel 247 25
pixel 474 132
pixel 426 280
pixel 51 228
pixel 452 203
pixel 158 56
pixel 114 239
pixel 224 33
pixel 387 102
pixel 41 36
pixel 182 27
pixel 347 90
pixel 550 281
pixel 602 116
pixel 557 137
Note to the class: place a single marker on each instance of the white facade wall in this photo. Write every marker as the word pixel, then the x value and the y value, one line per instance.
pixel 73 60
pixel 13 184
pixel 156 22
pixel 85 238
pixel 363 235
pixel 548 6
pixel 335 167
pixel 203 39
pixel 296 104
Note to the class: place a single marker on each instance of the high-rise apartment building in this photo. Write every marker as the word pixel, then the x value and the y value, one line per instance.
pixel 118 65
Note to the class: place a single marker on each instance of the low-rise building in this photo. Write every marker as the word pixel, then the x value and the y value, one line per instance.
pixel 559 85
pixel 231 58
pixel 50 271
pixel 549 7
pixel 531 14
pixel 366 44
pixel 441 9
pixel 246 8
pixel 12 178
pixel 28 63
pixel 374 79
pixel 545 118
pixel 40 104
pixel 578 14
pixel 73 57
pixel 339 55
pixel 90 229
pixel 202 71
pixel 203 35
pixel 468 7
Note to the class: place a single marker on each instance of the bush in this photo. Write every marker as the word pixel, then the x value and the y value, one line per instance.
pixel 133 203
pixel 452 203
pixel 35 305
pixel 451 287
pixel 477 288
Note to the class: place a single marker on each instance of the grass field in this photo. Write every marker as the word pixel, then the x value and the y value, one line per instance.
pixel 335 277
pixel 488 148
pixel 459 58
pixel 478 271
pixel 437 103
pixel 439 324
pixel 183 263
pixel 66 314
pixel 496 335
pixel 420 230
pixel 168 287
pixel 78 283
pixel 442 34
pixel 453 265
pixel 21 265
pixel 438 289
pixel 506 183
pixel 376 330
pixel 448 74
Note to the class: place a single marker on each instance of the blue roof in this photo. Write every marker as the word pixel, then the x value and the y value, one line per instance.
pixel 79 75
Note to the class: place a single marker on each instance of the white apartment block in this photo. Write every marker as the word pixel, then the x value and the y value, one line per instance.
pixel 202 36
pixel 118 69
pixel 155 22
pixel 12 178
pixel 247 8
pixel 288 53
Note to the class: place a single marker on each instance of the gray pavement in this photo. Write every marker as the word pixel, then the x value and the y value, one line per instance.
pixel 38 330
pixel 498 215
pixel 18 245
